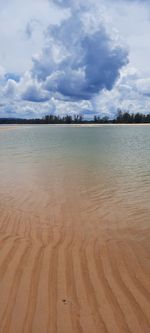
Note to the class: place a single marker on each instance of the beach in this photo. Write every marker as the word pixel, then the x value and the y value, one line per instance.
pixel 74 230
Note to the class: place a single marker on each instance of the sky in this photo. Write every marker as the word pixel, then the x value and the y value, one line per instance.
pixel 67 57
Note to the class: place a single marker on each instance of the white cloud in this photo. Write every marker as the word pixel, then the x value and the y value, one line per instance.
pixel 125 95
pixel 69 55
pixel 84 61
pixel 15 18
pixel 143 86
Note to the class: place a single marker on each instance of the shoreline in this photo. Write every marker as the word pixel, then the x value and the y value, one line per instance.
pixel 15 126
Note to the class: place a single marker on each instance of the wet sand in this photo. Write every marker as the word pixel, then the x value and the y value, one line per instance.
pixel 73 256
pixel 68 270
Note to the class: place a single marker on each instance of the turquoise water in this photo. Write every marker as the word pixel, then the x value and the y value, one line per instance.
pixel 105 168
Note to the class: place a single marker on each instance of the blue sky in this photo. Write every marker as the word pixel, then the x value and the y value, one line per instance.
pixel 64 56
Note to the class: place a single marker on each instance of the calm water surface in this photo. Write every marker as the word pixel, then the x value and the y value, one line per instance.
pixel 102 169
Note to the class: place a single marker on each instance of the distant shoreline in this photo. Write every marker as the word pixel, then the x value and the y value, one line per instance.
pixel 4 127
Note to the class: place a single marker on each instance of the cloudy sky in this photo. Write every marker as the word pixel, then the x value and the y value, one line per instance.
pixel 64 56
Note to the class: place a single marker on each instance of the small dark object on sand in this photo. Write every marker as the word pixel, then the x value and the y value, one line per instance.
pixel 64 300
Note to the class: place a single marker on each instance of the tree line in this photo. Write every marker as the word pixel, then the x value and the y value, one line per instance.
pixel 122 117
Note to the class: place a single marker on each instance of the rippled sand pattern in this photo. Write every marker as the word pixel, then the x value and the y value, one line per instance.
pixel 74 231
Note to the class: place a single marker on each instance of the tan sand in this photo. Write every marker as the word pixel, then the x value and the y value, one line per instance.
pixel 12 127
pixel 7 128
pixel 65 269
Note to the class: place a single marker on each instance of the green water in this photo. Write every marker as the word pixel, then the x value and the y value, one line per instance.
pixel 107 167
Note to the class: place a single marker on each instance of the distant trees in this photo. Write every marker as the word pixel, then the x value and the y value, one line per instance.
pixel 103 120
pixel 122 117
pixel 68 119
pixel 127 118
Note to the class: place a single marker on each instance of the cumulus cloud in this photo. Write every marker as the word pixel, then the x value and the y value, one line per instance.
pixel 82 62
pixel 76 4
pixel 31 27
pixel 81 67
pixel 10 88
pixel 127 94
pixel 13 76
pixel 143 86
pixel 34 93
pixel 63 3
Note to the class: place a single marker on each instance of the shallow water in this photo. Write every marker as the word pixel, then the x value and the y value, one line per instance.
pixel 74 229
pixel 109 166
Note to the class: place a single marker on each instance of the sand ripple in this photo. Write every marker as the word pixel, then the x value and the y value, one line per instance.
pixel 72 271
